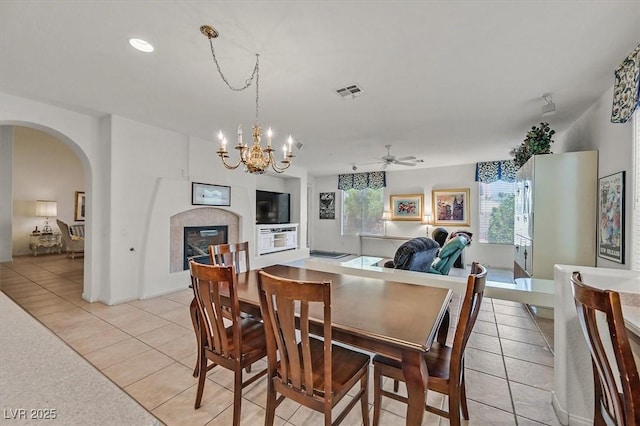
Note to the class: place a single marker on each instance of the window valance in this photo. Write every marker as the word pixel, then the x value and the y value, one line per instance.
pixel 626 89
pixel 491 171
pixel 372 180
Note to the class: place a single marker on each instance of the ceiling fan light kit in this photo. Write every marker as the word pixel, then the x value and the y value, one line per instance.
pixel 255 158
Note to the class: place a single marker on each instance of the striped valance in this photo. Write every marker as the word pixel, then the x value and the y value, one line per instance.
pixel 626 89
pixel 372 180
pixel 491 171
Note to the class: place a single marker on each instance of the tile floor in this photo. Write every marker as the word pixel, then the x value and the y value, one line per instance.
pixel 147 347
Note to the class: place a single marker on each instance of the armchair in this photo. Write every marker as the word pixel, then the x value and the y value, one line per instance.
pixel 73 244
pixel 449 254
pixel 417 254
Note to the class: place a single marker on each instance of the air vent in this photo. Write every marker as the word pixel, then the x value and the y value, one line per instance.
pixel 352 90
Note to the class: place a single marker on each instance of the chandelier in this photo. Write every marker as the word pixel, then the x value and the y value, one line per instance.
pixel 255 158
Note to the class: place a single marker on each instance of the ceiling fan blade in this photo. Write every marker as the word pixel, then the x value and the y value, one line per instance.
pixel 408 157
pixel 384 166
pixel 366 164
pixel 403 163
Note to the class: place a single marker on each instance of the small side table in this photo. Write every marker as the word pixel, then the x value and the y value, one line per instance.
pixel 50 241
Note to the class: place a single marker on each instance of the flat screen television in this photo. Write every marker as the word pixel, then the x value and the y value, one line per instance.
pixel 272 207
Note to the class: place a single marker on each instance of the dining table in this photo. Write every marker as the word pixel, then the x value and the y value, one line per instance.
pixel 391 318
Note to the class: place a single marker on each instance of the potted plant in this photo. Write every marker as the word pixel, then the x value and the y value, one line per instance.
pixel 537 141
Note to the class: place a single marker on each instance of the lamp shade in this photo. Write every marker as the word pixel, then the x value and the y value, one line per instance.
pixel 427 219
pixel 46 208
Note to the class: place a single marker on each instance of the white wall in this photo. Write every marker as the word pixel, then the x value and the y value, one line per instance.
pixel 136 176
pixel 6 201
pixel 614 143
pixel 45 168
pixel 326 233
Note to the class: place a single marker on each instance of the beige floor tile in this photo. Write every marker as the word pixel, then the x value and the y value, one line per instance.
pixel 251 414
pixel 484 327
pixel 521 335
pixel 137 322
pixel 118 352
pixel 164 334
pixel 179 410
pixel 487 389
pixel 108 337
pixel 484 362
pixel 488 316
pixel 516 321
pixel 523 421
pixel 484 342
pixel 180 316
pixel 533 403
pixel 184 297
pixel 511 310
pixel 532 374
pixel 85 329
pixel 107 312
pixel 179 348
pixel 40 311
pixel 161 386
pixel 526 352
pixel 485 415
pixel 135 368
pixel 66 319
pixel 157 305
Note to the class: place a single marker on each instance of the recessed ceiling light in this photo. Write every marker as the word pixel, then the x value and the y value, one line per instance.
pixel 141 45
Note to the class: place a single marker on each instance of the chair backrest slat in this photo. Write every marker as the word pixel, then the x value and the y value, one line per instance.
pixel 469 311
pixel 231 254
pixel 620 406
pixel 286 303
pixel 209 282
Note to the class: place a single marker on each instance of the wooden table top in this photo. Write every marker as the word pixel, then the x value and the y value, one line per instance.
pixel 380 312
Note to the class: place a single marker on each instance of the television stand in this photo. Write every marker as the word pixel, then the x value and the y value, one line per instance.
pixel 274 238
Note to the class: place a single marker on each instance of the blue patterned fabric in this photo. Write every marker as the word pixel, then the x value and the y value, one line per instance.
pixel 626 89
pixel 373 180
pixel 491 171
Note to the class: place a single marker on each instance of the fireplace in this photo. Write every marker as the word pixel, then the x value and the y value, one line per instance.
pixel 197 240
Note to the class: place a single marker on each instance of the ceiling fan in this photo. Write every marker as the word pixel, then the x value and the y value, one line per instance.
pixel 385 160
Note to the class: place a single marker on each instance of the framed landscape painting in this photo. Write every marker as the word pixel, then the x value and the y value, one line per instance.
pixel 204 194
pixel 406 207
pixel 451 207
pixel 611 217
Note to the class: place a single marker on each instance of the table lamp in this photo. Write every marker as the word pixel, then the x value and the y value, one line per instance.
pixel 46 209
pixel 427 220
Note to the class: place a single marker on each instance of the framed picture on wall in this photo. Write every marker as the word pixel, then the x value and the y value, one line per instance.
pixel 451 207
pixel 327 205
pixel 406 206
pixel 611 217
pixel 204 194
pixel 79 209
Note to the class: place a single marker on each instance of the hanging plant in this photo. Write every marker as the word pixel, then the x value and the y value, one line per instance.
pixel 537 141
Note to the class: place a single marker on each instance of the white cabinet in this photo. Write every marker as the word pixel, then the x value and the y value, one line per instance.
pixel 273 238
pixel 555 213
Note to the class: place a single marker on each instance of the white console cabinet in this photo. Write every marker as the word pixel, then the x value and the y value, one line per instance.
pixel 273 238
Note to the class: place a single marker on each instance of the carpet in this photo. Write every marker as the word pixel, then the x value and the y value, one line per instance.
pixel 329 254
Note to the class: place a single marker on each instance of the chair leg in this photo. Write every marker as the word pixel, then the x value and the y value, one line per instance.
pixel 364 399
pixel 237 396
pixel 454 405
pixel 271 403
pixel 377 395
pixel 463 399
pixel 193 310
pixel 201 377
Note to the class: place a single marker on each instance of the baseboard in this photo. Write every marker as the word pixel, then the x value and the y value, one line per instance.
pixel 565 417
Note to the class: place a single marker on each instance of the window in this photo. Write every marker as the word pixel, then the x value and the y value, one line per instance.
pixel 496 212
pixel 362 211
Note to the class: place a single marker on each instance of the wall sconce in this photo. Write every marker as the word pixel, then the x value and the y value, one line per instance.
pixel 385 218
pixel 46 209
pixel 427 219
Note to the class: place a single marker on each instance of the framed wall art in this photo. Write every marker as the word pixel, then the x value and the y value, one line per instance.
pixel 79 209
pixel 406 206
pixel 451 207
pixel 327 205
pixel 204 194
pixel 611 217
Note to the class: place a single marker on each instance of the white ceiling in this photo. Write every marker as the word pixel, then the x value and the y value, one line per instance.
pixel 451 82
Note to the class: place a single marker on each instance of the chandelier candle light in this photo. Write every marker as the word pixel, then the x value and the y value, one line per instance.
pixel 255 158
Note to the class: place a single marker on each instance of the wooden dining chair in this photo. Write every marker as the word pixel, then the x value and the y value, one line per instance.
pixel 614 404
pixel 310 371
pixel 445 364
pixel 223 255
pixel 233 347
